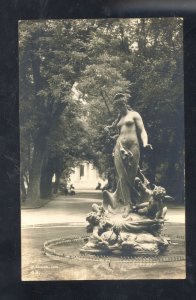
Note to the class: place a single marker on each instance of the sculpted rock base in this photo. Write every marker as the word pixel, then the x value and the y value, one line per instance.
pixel 127 244
pixel 113 234
pixel 137 233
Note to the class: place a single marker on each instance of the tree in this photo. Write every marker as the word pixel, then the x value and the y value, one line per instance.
pixel 67 146
pixel 48 69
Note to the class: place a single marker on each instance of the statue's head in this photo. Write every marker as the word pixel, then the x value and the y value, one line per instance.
pixel 95 207
pixel 159 193
pixel 93 218
pixel 120 103
pixel 138 183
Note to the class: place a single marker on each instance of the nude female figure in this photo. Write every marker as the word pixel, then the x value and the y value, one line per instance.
pixel 126 154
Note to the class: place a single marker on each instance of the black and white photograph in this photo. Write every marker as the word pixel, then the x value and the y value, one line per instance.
pixel 102 168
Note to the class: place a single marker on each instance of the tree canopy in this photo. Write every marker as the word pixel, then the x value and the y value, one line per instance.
pixel 70 71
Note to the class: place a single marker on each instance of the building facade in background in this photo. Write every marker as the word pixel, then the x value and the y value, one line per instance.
pixel 86 176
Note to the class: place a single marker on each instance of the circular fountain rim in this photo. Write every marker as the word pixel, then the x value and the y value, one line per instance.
pixel 61 256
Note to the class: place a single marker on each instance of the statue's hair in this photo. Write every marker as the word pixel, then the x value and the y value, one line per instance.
pixel 158 192
pixel 118 95
pixel 92 218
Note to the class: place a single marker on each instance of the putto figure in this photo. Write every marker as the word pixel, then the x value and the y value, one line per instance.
pixel 126 154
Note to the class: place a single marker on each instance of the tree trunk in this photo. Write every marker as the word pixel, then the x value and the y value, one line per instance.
pixel 46 181
pixel 33 194
pixel 22 189
pixel 57 181
pixel 142 37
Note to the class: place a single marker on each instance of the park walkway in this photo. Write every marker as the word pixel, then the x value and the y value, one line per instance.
pixel 62 210
pixel 72 210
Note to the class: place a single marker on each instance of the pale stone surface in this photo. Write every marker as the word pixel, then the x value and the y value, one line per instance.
pixel 74 209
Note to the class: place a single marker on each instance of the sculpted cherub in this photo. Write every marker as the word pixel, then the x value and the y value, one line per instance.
pixel 105 232
pixel 99 210
pixel 154 208
pixel 98 224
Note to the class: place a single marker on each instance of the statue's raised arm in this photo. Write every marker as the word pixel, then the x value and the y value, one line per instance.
pixel 114 124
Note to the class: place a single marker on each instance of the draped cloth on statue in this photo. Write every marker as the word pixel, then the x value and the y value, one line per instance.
pixel 126 160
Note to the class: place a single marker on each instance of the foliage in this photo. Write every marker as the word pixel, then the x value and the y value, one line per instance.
pixel 70 71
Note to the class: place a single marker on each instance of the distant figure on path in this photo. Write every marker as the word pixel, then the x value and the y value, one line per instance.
pixel 72 190
pixel 98 187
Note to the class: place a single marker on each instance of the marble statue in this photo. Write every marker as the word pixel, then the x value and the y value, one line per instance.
pixel 126 154
pixel 131 219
